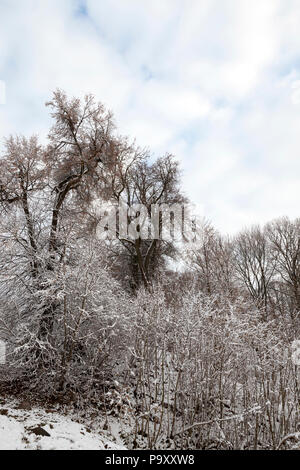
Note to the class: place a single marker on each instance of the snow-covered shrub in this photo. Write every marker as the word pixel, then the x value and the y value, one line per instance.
pixel 90 328
pixel 210 377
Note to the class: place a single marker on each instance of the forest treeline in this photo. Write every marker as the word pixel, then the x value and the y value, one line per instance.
pixel 194 357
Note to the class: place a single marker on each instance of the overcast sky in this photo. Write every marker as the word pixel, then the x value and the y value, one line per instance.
pixel 216 82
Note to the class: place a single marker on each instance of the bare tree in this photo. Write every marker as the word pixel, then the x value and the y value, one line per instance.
pixel 211 258
pixel 51 186
pixel 254 265
pixel 137 182
pixel 284 237
pixel 22 176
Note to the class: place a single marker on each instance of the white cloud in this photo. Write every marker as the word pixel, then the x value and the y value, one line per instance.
pixel 295 97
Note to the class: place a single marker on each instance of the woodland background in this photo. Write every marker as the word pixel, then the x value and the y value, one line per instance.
pixel 190 343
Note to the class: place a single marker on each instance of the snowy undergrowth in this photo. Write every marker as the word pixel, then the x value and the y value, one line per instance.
pixel 23 427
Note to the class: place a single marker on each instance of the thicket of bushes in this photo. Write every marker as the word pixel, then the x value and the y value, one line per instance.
pixel 199 358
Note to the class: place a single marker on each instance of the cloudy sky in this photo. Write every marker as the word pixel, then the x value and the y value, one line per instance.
pixel 216 82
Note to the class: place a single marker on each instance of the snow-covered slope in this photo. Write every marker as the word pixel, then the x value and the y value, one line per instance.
pixel 38 429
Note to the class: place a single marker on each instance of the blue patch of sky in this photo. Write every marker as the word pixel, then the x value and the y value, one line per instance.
pixel 286 66
pixel 198 130
pixel 10 67
pixel 146 73
pixel 81 8
pixel 121 45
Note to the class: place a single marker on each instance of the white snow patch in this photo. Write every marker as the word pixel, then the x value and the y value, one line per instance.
pixel 65 433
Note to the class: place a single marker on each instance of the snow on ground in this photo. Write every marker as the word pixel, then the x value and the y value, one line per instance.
pixel 20 429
